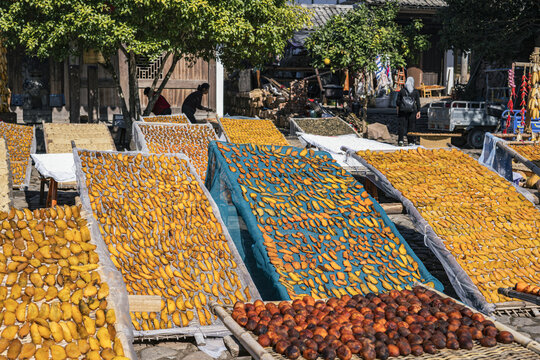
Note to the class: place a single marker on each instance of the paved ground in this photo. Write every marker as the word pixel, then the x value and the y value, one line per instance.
pixel 187 350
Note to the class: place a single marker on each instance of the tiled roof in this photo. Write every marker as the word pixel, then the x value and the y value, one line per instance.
pixel 323 13
pixel 408 3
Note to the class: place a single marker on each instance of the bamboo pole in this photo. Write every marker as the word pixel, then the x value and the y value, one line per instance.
pixel 519 157
pixel 249 343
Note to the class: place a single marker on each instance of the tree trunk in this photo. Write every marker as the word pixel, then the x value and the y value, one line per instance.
pixel 4 89
pixel 110 69
pixel 93 94
pixel 157 92
pixel 134 100
pixel 364 100
pixel 74 94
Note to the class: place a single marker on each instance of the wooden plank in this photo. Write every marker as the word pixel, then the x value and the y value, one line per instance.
pixel 392 208
pixel 145 303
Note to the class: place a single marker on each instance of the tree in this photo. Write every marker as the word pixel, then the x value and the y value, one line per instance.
pixel 353 40
pixel 238 32
pixel 495 30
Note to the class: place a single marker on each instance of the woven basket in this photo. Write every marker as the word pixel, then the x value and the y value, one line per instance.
pixel 58 137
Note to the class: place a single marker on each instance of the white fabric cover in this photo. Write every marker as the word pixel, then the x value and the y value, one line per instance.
pixel 60 167
pixel 333 145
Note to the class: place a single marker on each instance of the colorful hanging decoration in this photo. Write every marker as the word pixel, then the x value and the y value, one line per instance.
pixel 524 92
pixel 512 85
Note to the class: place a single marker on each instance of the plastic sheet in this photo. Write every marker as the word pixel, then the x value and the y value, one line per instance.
pixel 333 145
pixel 242 208
pixel 174 118
pixel 20 146
pixel 118 294
pixel 255 131
pixel 60 167
pixel 165 138
pixel 461 281
pixel 496 158
pixel 169 239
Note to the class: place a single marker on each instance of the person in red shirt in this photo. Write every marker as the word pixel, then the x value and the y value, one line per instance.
pixel 161 107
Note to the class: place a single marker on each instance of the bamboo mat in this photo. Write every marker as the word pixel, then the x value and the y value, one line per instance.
pixel 523 348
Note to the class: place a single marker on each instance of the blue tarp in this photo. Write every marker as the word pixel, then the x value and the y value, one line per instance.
pixel 496 158
pixel 349 248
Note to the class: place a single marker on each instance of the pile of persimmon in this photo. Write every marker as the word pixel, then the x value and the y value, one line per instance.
pixel 54 300
pixel 527 288
pixel 191 139
pixel 489 227
pixel 322 232
pixel 530 151
pixel 19 142
pixel 397 323
pixel 163 236
pixel 176 119
pixel 253 131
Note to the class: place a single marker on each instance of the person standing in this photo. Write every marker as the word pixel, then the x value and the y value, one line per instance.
pixel 193 102
pixel 161 106
pixel 408 110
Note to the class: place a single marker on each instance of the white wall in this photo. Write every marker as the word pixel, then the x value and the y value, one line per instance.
pixel 219 88
pixel 449 70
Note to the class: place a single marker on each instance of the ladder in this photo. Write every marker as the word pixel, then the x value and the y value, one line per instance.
pixel 400 81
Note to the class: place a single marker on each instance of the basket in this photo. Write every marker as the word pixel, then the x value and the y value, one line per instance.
pixel 319 126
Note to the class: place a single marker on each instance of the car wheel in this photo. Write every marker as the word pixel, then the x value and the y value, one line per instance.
pixel 475 138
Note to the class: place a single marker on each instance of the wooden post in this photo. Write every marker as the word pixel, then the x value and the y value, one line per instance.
pixel 464 67
pixel 323 98
pixel 74 93
pixel 4 89
pixel 93 94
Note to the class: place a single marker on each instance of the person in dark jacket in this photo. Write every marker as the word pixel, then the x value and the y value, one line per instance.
pixel 161 106
pixel 193 102
pixel 408 109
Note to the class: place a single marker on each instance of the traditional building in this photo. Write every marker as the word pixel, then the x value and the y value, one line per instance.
pixel 434 66
pixel 45 90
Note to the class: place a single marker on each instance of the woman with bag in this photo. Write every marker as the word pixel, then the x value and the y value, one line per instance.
pixel 408 110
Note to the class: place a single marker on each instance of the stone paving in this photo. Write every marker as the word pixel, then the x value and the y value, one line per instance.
pixel 187 349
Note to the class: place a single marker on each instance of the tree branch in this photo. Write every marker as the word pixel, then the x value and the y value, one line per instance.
pixel 160 70
pixel 108 66
pixel 155 94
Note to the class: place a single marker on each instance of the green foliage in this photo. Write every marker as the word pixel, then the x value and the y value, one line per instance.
pixel 238 32
pixel 354 40
pixel 233 30
pixel 495 30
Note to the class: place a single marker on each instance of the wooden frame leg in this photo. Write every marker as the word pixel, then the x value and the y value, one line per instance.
pixel 371 189
pixel 52 193
pixel 42 190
